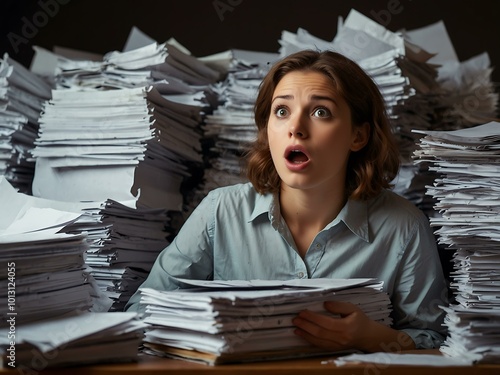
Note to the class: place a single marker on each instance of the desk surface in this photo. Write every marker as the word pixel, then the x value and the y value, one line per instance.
pixel 150 365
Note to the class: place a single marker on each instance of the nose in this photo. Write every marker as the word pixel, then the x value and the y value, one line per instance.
pixel 296 133
pixel 297 128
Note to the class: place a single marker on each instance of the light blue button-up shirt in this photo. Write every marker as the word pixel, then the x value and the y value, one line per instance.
pixel 237 234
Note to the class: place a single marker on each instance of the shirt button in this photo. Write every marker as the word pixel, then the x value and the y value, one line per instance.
pixel 318 245
pixel 300 275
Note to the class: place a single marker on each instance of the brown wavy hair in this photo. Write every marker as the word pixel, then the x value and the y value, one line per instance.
pixel 370 169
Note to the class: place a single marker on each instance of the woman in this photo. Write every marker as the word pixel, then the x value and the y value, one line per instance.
pixel 318 205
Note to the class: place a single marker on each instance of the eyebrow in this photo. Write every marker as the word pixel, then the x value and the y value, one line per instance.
pixel 287 97
pixel 314 97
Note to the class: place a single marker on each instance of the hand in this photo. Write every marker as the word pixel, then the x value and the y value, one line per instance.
pixel 347 328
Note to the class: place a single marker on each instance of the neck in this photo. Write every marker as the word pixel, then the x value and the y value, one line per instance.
pixel 309 207
pixel 307 212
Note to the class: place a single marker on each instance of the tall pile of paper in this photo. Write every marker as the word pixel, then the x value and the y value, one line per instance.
pixel 177 149
pixel 466 91
pixel 233 321
pixel 22 94
pixel 467 192
pixel 176 87
pixel 90 143
pixel 75 339
pixel 231 126
pixel 113 147
pixel 464 96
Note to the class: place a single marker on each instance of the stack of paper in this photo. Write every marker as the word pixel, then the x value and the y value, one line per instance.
pixel 49 275
pixel 465 96
pixel 233 321
pixel 467 192
pixel 122 241
pixel 175 153
pixel 122 258
pixel 114 147
pixel 44 273
pixel 64 71
pixel 181 97
pixel 182 65
pixel 114 70
pixel 176 88
pixel 90 143
pixel 75 339
pixel 231 126
pixel 22 94
pixel 127 69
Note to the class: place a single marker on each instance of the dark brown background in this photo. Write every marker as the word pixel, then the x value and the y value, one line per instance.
pixel 103 25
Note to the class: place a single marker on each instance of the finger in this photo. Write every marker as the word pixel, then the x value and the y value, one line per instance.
pixel 341 308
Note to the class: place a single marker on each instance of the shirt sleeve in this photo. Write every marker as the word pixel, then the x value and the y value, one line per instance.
pixel 189 256
pixel 421 289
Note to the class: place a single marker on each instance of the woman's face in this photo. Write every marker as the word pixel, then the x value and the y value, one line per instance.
pixel 310 133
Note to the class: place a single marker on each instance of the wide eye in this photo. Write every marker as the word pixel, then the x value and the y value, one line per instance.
pixel 321 112
pixel 280 111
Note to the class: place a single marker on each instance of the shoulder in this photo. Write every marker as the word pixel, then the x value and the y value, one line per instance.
pixel 238 203
pixel 390 203
pixel 223 204
pixel 395 220
pixel 242 196
pixel 390 210
pixel 231 192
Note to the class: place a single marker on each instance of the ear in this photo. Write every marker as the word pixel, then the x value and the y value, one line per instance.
pixel 360 136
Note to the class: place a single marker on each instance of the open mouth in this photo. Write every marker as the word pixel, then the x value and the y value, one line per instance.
pixel 296 157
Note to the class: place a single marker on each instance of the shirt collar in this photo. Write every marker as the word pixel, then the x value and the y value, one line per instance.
pixel 269 204
pixel 263 204
pixel 354 214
